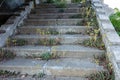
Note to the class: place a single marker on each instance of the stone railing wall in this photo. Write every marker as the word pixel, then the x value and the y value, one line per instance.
pixel 109 35
pixel 16 20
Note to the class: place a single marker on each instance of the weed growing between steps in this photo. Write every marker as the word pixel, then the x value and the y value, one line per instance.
pixel 103 75
pixel 76 16
pixel 16 42
pixel 48 42
pixel 95 40
pixel 72 33
pixel 45 56
pixel 76 1
pixel 6 55
pixel 60 3
pixel 40 75
pixel 97 43
pixel 61 10
pixel 47 32
pixel 5 73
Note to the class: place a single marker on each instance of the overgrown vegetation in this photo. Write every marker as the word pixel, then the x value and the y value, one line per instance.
pixel 8 74
pixel 58 3
pixel 45 56
pixel 95 40
pixel 5 73
pixel 71 32
pixel 6 55
pixel 76 1
pixel 40 75
pixel 48 42
pixel 97 43
pixel 16 42
pixel 61 10
pixel 103 75
pixel 76 16
pixel 47 31
pixel 115 19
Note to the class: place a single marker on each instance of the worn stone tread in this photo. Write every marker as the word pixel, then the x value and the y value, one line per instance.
pixel 56 67
pixel 62 38
pixel 54 6
pixel 74 51
pixel 46 78
pixel 52 22
pixel 53 16
pixel 60 29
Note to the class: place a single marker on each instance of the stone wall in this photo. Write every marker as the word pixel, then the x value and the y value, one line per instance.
pixel 17 21
pixel 109 35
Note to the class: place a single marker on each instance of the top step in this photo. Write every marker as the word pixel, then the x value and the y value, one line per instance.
pixel 47 5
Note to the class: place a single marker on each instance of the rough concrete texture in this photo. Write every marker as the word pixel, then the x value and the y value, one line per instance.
pixel 46 78
pixel 110 38
pixel 57 67
pixel 75 51
pixel 60 29
pixel 62 39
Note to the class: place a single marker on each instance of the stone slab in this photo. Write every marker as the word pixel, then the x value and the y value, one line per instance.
pixel 74 51
pixel 68 67
pixel 60 29
pixel 63 39
pixel 51 22
pixel 113 38
pixel 116 52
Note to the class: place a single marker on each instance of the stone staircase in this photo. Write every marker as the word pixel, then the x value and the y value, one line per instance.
pixel 48 22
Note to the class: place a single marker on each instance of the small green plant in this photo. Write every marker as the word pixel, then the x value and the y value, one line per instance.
pixel 45 56
pixel 82 23
pixel 72 33
pixel 48 42
pixel 60 3
pixel 94 31
pixel 47 31
pixel 48 56
pixel 76 1
pixel 94 43
pixel 16 42
pixel 103 75
pixel 76 16
pixel 6 73
pixel 6 55
pixel 61 10
pixel 40 75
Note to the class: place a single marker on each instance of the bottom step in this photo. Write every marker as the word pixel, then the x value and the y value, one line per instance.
pixel 56 67
pixel 46 78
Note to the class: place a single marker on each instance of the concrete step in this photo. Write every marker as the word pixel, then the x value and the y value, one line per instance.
pixel 57 10
pixel 51 22
pixel 45 78
pixel 61 39
pixel 47 5
pixel 68 67
pixel 55 16
pixel 73 51
pixel 59 29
